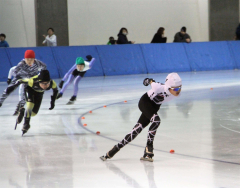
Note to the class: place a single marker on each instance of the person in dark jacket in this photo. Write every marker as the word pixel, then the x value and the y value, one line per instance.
pixel 159 36
pixel 237 37
pixel 182 36
pixel 122 37
pixel 3 43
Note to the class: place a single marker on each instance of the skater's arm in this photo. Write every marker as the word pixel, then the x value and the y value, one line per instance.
pixel 54 96
pixel 53 39
pixel 11 72
pixel 55 89
pixel 69 72
pixel 91 63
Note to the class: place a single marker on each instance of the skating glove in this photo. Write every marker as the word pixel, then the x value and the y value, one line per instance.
pixel 52 103
pixel 147 81
pixel 9 81
pixel 61 84
pixel 89 57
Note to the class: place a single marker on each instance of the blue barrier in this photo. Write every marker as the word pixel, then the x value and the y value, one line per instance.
pixel 234 50
pixel 5 64
pixel 204 56
pixel 122 59
pixel 165 57
pixel 66 56
pixel 131 59
pixel 44 54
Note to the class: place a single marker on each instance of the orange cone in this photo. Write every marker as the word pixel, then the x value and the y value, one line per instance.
pixel 125 101
pixel 90 112
pixel 105 106
pixel 172 151
pixel 85 125
pixel 97 132
pixel 83 117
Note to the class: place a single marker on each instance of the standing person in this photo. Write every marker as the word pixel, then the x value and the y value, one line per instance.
pixel 182 36
pixel 122 37
pixel 21 89
pixel 51 38
pixel 3 43
pixel 27 68
pixel 76 73
pixel 34 94
pixel 159 36
pixel 149 105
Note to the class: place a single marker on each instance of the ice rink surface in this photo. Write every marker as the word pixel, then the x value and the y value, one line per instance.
pixel 202 126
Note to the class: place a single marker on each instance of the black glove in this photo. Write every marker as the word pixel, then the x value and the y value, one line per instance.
pixel 52 103
pixel 59 95
pixel 9 81
pixel 147 81
pixel 61 84
pixel 89 57
pixel 0 104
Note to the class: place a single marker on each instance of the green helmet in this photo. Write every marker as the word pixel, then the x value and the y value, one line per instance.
pixel 80 61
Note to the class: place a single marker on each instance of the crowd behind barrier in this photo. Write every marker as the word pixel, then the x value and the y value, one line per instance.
pixel 131 59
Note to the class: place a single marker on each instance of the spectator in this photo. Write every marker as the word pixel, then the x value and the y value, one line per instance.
pixel 51 38
pixel 3 43
pixel 182 36
pixel 111 41
pixel 237 37
pixel 159 36
pixel 122 37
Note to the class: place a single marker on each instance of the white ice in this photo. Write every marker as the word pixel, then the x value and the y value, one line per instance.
pixel 202 126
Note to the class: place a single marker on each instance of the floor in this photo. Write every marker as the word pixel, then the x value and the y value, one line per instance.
pixel 62 149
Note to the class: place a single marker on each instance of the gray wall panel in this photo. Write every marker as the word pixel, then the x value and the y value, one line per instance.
pixel 52 13
pixel 223 19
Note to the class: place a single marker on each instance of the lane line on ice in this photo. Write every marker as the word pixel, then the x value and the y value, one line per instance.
pixel 229 129
pixel 184 155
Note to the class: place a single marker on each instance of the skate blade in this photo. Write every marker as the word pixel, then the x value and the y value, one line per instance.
pixel 24 132
pixel 16 125
pixel 103 158
pixel 69 103
pixel 146 159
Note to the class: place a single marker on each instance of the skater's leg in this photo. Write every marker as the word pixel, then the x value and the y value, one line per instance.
pixel 142 123
pixel 66 84
pixel 155 120
pixel 76 81
pixel 34 100
pixel 11 87
pixel 22 101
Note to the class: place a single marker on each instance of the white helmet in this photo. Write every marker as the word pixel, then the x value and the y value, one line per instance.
pixel 173 80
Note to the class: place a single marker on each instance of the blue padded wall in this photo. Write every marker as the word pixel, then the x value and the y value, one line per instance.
pixel 5 65
pixel 165 57
pixel 122 59
pixel 204 56
pixel 235 51
pixel 131 59
pixel 44 54
pixel 66 56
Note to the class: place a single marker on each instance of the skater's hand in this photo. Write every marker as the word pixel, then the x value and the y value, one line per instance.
pixel 52 103
pixel 9 81
pixel 148 81
pixel 61 84
pixel 0 104
pixel 89 57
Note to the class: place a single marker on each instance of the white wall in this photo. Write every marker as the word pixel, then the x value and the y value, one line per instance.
pixel 94 21
pixel 17 21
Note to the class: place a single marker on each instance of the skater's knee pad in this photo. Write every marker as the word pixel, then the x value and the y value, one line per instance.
pixel 155 119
